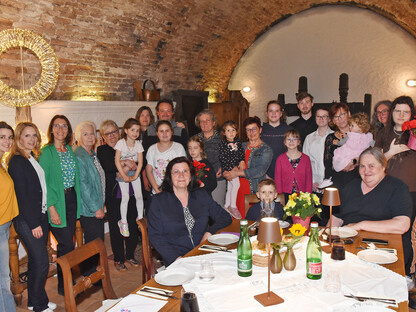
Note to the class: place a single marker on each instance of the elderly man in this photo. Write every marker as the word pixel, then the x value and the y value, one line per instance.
pixel 306 123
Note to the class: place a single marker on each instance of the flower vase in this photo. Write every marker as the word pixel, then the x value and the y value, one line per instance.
pixel 289 261
pixel 304 223
pixel 412 142
pixel 276 262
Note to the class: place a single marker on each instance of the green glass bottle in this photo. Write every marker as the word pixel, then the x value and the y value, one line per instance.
pixel 314 254
pixel 244 255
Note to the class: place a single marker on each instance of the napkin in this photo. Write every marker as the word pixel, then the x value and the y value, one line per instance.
pixel 148 294
pixel 135 303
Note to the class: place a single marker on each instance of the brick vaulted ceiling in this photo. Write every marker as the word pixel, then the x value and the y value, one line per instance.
pixel 104 45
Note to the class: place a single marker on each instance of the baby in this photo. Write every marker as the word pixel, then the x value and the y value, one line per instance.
pixel 359 138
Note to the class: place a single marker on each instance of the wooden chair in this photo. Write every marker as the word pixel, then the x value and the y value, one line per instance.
pixel 250 199
pixel 148 267
pixel 74 258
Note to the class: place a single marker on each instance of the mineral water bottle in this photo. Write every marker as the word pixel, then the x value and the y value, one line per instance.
pixel 244 256
pixel 314 254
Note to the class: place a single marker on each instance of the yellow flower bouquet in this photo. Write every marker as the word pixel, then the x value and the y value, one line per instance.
pixel 302 205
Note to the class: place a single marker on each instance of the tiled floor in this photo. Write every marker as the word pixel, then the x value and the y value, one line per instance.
pixel 123 284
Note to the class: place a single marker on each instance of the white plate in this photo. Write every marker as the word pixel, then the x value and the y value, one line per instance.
pixel 174 277
pixel 283 224
pixel 223 239
pixel 343 232
pixel 377 256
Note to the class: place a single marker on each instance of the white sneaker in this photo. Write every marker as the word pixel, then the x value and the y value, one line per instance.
pixel 47 310
pixel 124 228
pixel 51 306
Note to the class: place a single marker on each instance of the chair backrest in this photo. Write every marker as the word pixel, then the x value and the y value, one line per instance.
pixel 74 258
pixel 148 268
pixel 250 199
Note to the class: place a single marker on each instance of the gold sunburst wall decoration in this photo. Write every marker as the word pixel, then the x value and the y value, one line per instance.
pixel 19 38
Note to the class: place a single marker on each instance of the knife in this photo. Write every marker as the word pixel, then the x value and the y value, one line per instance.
pixel 383 300
pixel 159 294
pixel 216 248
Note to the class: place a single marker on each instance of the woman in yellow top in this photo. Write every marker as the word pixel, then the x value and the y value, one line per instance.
pixel 8 210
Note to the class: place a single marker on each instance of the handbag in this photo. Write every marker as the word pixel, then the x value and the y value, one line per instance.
pixel 150 94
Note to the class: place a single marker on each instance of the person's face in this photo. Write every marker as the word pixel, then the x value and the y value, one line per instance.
pixel 371 171
pixel 305 105
pixel 230 133
pixel 354 127
pixel 382 113
pixel 274 113
pixel 253 132
pixel 181 175
pixel 194 150
pixel 322 118
pixel 267 193
pixel 144 118
pixel 206 123
pixel 133 132
pixel 28 139
pixel 401 113
pixel 111 135
pixel 87 139
pixel 6 140
pixel 292 142
pixel 60 129
pixel 341 119
pixel 164 133
pixel 165 112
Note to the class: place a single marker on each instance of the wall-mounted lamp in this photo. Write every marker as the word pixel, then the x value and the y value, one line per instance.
pixel 411 83
pixel 246 89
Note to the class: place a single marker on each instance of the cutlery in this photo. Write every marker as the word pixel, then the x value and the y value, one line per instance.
pixel 383 300
pixel 216 248
pixel 253 225
pixel 157 293
pixel 168 292
pixel 376 248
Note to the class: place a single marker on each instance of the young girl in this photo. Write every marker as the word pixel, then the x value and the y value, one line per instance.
pixel 231 154
pixel 203 168
pixel 129 151
pixel 359 138
pixel 293 172
pixel 159 154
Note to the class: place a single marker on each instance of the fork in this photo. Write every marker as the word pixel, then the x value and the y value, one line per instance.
pixel 362 299
pixel 168 292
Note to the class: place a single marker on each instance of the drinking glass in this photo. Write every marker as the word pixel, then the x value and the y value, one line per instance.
pixel 338 250
pixel 206 272
pixel 332 281
pixel 189 303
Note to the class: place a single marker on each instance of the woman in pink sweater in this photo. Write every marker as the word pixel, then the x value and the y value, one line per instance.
pixel 293 171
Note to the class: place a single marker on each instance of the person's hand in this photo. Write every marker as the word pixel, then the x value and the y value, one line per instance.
pixel 130 164
pixel 202 184
pixel 146 182
pixel 55 218
pixel 219 173
pixel 397 148
pixel 349 167
pixel 99 214
pixel 205 237
pixel 227 175
pixel 37 232
pixel 315 186
pixel 355 226
pixel 180 124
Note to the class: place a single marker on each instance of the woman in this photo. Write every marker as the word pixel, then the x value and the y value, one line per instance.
pixel 32 222
pixel 123 247
pixel 8 210
pixel 381 115
pixel 92 183
pixel 146 118
pixel 62 181
pixel 258 157
pixel 179 217
pixel 377 202
pixel 205 120
pixel 339 114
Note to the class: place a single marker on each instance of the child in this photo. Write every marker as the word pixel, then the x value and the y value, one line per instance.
pixel 128 148
pixel 159 154
pixel 293 171
pixel 267 194
pixel 203 168
pixel 231 154
pixel 359 138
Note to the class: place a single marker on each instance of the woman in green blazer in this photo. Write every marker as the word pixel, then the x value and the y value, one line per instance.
pixel 62 182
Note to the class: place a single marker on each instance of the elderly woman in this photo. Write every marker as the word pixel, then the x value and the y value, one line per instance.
pixel 123 247
pixel 205 120
pixel 8 210
pixel 92 183
pixel 258 157
pixel 381 115
pixel 377 202
pixel 32 222
pixel 339 114
pixel 182 215
pixel 62 182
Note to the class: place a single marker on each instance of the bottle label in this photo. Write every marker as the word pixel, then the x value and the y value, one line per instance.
pixel 244 265
pixel 315 268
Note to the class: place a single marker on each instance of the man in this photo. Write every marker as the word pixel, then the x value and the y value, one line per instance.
pixel 164 111
pixel 306 124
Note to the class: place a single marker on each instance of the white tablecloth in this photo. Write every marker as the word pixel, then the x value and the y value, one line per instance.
pixel 230 292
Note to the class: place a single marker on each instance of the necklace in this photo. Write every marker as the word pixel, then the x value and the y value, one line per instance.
pixel 397 132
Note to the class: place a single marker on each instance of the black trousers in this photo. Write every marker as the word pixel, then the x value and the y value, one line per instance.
pixel 93 228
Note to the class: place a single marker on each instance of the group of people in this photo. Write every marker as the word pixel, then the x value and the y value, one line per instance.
pixel 188 188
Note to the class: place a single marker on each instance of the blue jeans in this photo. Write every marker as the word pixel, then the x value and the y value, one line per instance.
pixel 6 297
pixel 38 262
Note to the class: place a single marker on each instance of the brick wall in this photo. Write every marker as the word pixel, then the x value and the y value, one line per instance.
pixel 103 46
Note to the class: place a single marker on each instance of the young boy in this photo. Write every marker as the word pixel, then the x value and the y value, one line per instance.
pixel 266 192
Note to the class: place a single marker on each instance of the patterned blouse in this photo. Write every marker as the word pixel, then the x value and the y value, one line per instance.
pixel 294 163
pixel 68 169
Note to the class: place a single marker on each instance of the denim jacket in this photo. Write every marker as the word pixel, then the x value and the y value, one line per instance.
pixel 257 165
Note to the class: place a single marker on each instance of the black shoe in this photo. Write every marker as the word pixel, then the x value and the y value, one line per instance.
pixel 412 299
pixel 61 292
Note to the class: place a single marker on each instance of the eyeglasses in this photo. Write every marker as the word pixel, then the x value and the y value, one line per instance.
pixel 294 140
pixel 179 172
pixel 337 117
pixel 396 111
pixel 322 117
pixel 382 112
pixel 63 126
pixel 110 133
pixel 249 130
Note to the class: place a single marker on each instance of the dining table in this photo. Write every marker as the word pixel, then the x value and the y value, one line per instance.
pixel 394 242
